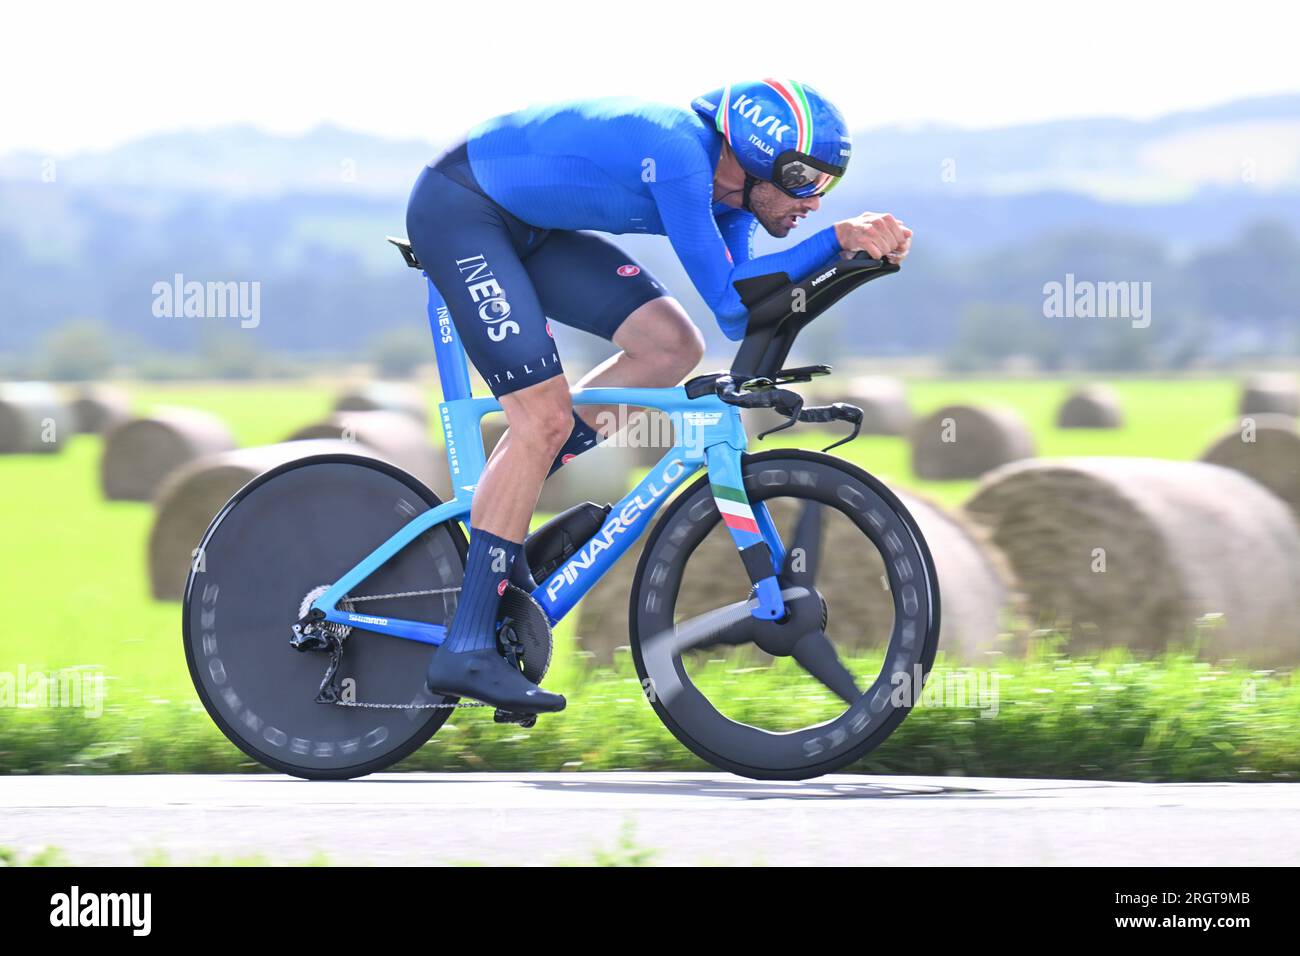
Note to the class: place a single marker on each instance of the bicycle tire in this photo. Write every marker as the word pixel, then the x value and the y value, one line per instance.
pixel 788 755
pixel 296 527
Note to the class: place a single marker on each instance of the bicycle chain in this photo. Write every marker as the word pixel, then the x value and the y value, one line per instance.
pixel 399 594
pixel 369 706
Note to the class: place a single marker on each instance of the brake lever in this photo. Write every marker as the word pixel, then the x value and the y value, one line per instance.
pixel 761 393
pixel 837 412
pixel 787 403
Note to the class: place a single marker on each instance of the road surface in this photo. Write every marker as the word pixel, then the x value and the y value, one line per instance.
pixel 675 818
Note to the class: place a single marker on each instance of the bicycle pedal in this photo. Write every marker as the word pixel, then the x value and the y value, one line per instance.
pixel 506 717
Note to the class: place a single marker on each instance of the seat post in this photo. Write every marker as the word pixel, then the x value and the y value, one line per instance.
pixel 453 367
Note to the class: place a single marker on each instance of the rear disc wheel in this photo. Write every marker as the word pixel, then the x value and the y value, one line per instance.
pixel 278 540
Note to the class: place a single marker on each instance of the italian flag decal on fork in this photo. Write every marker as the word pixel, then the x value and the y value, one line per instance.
pixel 735 509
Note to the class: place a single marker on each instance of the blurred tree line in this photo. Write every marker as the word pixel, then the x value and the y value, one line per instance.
pixel 1236 297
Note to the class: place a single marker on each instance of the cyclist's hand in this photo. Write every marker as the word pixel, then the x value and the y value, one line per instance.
pixel 877 234
pixel 899 254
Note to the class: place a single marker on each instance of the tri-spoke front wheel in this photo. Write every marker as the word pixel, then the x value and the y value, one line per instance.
pixel 828 683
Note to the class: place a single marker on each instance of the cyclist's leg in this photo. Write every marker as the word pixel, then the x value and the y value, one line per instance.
pixel 470 248
pixel 585 281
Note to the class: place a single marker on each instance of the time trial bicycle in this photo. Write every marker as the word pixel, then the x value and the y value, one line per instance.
pixel 325 583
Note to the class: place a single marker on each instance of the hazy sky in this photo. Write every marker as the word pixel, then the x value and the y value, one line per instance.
pixel 77 75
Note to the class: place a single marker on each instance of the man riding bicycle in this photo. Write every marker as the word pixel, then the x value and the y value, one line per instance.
pixel 495 224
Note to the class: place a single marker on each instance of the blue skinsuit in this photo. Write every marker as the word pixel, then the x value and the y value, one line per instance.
pixel 484 220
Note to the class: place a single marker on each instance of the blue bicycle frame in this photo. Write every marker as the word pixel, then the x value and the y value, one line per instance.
pixel 708 433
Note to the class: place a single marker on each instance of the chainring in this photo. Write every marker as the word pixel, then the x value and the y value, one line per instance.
pixel 525 634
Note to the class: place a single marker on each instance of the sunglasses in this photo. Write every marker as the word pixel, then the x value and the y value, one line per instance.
pixel 802 177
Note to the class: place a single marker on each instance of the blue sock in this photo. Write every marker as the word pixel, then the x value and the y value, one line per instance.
pixel 487 569
pixel 580 439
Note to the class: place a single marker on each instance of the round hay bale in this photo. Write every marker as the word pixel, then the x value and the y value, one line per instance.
pixel 140 452
pixel 978 591
pixel 1267 448
pixel 193 494
pixel 33 419
pixel 97 408
pixel 1270 393
pixel 965 441
pixel 1143 553
pixel 1092 406
pixel 385 397
pixel 883 401
pixel 975 581
pixel 394 436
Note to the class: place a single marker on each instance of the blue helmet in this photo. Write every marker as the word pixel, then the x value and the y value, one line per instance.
pixel 782 132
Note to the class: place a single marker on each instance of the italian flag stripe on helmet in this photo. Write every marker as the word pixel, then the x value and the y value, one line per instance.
pixel 723 120
pixel 793 94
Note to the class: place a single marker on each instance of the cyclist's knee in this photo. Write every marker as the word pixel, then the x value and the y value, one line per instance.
pixel 686 346
pixel 661 334
pixel 540 416
pixel 681 348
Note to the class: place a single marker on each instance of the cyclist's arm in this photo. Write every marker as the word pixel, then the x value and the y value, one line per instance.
pixel 737 228
pixel 685 206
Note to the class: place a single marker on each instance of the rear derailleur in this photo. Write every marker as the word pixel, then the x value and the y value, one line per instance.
pixel 313 633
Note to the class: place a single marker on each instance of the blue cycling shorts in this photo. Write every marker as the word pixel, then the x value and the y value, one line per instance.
pixel 502 278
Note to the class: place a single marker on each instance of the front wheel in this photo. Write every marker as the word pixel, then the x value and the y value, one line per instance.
pixel 808 695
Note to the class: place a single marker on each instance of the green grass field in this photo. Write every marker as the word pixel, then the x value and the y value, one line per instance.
pixel 1163 420
pixel 76 593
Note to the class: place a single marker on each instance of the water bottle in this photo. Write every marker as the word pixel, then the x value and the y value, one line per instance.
pixel 560 538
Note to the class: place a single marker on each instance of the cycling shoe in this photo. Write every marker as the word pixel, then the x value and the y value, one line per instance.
pixel 485 675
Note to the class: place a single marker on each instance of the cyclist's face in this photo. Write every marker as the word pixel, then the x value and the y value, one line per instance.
pixel 778 212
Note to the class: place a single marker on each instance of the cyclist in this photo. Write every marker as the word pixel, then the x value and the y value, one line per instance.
pixel 496 223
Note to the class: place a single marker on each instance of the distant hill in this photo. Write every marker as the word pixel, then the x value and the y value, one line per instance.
pixel 1249 145
pixel 240 161
pixel 88 234
pixel 1162 159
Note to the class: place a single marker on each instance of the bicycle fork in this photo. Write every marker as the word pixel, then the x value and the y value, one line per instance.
pixel 751 527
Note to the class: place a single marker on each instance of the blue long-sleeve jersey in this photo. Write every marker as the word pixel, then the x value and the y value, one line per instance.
pixel 624 165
